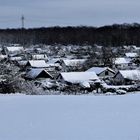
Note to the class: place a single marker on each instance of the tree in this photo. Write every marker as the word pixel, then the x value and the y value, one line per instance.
pixel 11 81
pixel 107 56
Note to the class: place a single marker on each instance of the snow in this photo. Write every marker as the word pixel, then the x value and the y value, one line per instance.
pixel 79 77
pixel 70 117
pixel 3 56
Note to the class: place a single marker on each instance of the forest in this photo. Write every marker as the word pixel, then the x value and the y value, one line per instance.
pixel 111 35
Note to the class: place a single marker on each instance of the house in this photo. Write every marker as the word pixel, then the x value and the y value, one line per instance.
pixel 36 73
pixel 77 77
pixel 36 64
pixel 14 50
pixel 131 55
pixel 22 63
pixel 102 72
pixel 39 57
pixel 122 63
pixel 127 76
pixel 18 58
pixel 72 64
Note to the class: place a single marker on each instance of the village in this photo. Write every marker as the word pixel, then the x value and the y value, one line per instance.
pixel 76 69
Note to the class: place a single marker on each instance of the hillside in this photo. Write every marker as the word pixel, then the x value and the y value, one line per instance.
pixel 113 35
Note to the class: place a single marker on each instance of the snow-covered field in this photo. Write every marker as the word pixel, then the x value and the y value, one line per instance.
pixel 69 117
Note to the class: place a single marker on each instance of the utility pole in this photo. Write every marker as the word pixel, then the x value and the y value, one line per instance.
pixel 22 21
pixel 22 33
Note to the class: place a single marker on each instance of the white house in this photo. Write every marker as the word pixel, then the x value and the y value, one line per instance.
pixel 102 72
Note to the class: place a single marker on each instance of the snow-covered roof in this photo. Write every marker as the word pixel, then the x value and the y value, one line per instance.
pixel 130 74
pixel 39 56
pixel 33 73
pixel 22 63
pixel 122 60
pixel 16 58
pixel 14 49
pixel 73 62
pixel 54 60
pixel 99 70
pixel 3 56
pixel 78 77
pixel 131 55
pixel 38 63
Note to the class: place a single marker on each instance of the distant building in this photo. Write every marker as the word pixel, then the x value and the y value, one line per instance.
pixel 122 63
pixel 36 64
pixel 39 57
pixel 14 50
pixel 72 64
pixel 131 55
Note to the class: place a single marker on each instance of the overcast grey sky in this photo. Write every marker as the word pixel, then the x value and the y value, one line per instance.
pixel 44 13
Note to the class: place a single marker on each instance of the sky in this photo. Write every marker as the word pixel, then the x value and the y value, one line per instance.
pixel 46 13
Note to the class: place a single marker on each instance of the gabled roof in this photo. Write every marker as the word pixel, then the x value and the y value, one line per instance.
pixel 130 74
pixel 78 77
pixel 99 70
pixel 34 73
pixel 122 60
pixel 37 63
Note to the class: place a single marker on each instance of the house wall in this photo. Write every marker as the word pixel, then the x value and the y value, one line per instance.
pixel 103 74
pixel 40 57
pixel 119 79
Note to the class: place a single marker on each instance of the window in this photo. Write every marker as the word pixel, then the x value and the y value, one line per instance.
pixel 106 72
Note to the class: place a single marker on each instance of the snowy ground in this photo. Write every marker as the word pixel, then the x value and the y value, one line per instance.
pixel 69 117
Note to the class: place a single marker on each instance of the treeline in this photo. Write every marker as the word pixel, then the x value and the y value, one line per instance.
pixel 114 35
